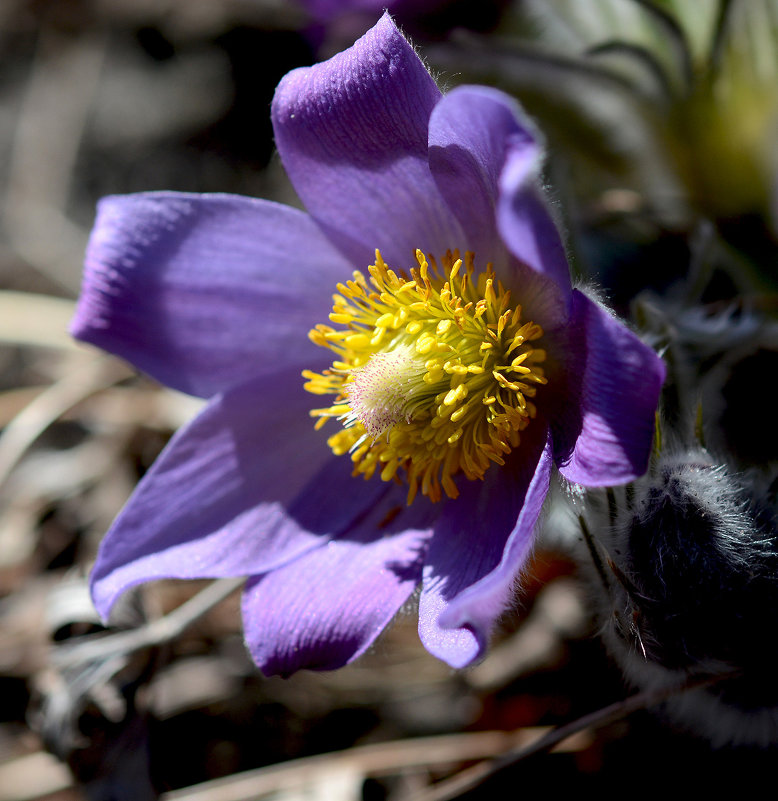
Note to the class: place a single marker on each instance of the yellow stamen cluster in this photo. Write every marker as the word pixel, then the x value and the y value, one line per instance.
pixel 432 373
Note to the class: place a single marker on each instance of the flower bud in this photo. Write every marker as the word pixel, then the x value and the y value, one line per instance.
pixel 692 591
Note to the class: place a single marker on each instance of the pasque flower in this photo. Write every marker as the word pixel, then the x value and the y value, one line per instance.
pixel 457 366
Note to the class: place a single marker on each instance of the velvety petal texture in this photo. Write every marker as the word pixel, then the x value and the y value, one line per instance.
pixel 352 135
pixel 481 542
pixel 612 422
pixel 489 175
pixel 183 287
pixel 326 608
pixel 466 160
pixel 240 490
pixel 216 295
pixel 524 216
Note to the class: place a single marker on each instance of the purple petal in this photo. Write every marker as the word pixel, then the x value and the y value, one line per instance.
pixel 327 607
pixel 524 216
pixel 204 291
pixel 245 487
pixel 608 439
pixel 352 134
pixel 466 159
pixel 480 544
pixel 467 162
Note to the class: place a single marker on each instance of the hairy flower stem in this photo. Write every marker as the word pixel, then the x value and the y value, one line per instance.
pixel 596 559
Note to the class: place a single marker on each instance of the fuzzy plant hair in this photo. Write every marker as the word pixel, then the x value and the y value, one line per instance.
pixel 688 587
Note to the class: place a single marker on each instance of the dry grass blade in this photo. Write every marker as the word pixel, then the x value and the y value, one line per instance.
pixel 48 134
pixel 39 320
pixel 372 760
pixel 51 404
pixel 91 649
pixel 33 776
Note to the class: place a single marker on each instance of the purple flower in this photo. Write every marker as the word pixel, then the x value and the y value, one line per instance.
pixel 460 381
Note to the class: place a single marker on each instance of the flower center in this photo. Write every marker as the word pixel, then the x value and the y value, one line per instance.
pixel 432 373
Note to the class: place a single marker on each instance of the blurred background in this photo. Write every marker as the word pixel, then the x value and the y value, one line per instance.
pixel 661 120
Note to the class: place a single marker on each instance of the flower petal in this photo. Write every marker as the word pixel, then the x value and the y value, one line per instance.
pixel 609 440
pixel 467 162
pixel 326 608
pixel 352 134
pixel 480 544
pixel 243 488
pixel 470 132
pixel 203 291
pixel 524 216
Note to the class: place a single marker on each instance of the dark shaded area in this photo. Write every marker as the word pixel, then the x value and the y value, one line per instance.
pixel 747 397
pixel 258 60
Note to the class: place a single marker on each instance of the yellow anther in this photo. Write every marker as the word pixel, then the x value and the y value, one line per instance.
pixel 442 327
pixel 356 341
pixel 489 296
pixel 425 344
pixel 458 414
pixel 431 374
pixel 385 320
